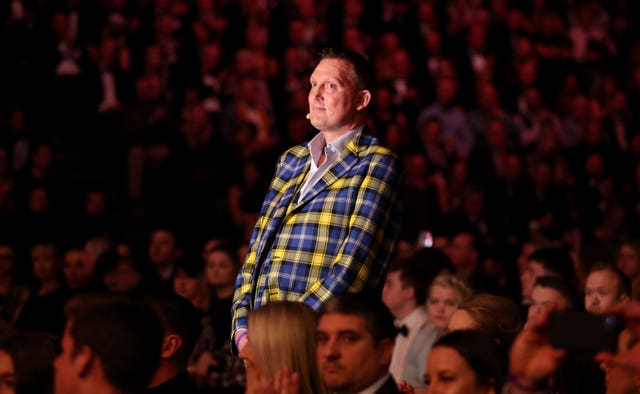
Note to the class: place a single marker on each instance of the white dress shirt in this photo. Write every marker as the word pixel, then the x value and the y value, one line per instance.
pixel 414 322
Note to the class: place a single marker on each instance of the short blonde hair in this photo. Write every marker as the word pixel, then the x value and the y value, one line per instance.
pixel 283 334
pixel 452 282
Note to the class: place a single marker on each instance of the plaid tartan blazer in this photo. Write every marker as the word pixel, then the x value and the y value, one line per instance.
pixel 337 239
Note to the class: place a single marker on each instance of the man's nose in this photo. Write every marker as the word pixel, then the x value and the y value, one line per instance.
pixel 331 348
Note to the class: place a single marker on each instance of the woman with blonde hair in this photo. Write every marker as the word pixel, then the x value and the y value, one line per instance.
pixel 445 293
pixel 280 356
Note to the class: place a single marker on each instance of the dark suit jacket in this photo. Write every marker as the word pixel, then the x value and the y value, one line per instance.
pixel 389 387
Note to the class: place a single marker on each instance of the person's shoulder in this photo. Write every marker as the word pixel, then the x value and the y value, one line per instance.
pixel 368 144
pixel 389 387
pixel 296 151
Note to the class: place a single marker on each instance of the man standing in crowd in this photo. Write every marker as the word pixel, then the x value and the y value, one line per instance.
pixel 330 218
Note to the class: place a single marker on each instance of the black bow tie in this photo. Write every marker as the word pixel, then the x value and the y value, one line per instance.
pixel 403 330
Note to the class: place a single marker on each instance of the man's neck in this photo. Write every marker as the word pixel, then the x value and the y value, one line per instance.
pixel 165 372
pixel 330 136
pixel 406 309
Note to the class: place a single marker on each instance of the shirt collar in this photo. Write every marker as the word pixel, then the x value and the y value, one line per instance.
pixel 318 143
pixel 414 319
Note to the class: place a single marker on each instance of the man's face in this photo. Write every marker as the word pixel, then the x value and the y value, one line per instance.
pixel 600 291
pixel 76 269
pixel 543 299
pixel 162 249
pixel 629 261
pixel 348 356
pixel 461 251
pixel 532 272
pixel 7 374
pixel 64 366
pixel 395 294
pixel 6 259
pixel 333 99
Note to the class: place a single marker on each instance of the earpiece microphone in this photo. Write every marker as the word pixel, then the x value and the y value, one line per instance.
pixel 308 116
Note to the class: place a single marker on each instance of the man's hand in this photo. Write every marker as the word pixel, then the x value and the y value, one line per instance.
pixel 630 312
pixel 532 359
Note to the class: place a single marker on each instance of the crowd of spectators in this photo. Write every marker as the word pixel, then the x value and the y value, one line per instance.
pixel 149 129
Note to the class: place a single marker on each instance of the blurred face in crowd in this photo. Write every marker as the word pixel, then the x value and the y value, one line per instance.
pixel 629 261
pixel 43 259
pixel 543 299
pixel 395 294
pixel 162 248
pixel 76 269
pixel 349 358
pixel 441 305
pixel 187 286
pixel 122 278
pixel 533 271
pixel 601 291
pixel 7 374
pixel 220 269
pixel 462 251
pixel 449 373
pixel 7 256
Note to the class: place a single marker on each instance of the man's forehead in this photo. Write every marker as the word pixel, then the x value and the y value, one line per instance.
pixel 335 322
pixel 602 277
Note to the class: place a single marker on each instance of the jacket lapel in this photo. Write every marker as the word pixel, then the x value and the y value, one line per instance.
pixel 343 164
pixel 284 201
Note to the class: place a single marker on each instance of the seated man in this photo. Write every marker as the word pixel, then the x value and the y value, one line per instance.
pixel 182 325
pixel 110 345
pixel 355 344
pixel 546 262
pixel 605 285
pixel 549 292
pixel 404 293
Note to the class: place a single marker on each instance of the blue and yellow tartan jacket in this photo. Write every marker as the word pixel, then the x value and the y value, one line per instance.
pixel 337 239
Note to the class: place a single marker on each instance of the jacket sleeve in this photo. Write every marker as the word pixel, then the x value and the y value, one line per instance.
pixel 246 277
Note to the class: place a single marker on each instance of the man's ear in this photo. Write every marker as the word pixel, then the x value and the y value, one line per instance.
pixel 170 345
pixel 411 291
pixel 363 101
pixel 83 360
pixel 623 298
pixel 385 349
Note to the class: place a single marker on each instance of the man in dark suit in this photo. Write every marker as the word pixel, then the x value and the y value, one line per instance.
pixel 355 343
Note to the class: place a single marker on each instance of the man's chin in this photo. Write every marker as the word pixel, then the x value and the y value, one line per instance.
pixel 333 376
pixel 335 383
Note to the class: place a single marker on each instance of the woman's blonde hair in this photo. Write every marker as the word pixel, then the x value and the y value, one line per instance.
pixel 449 281
pixel 283 334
